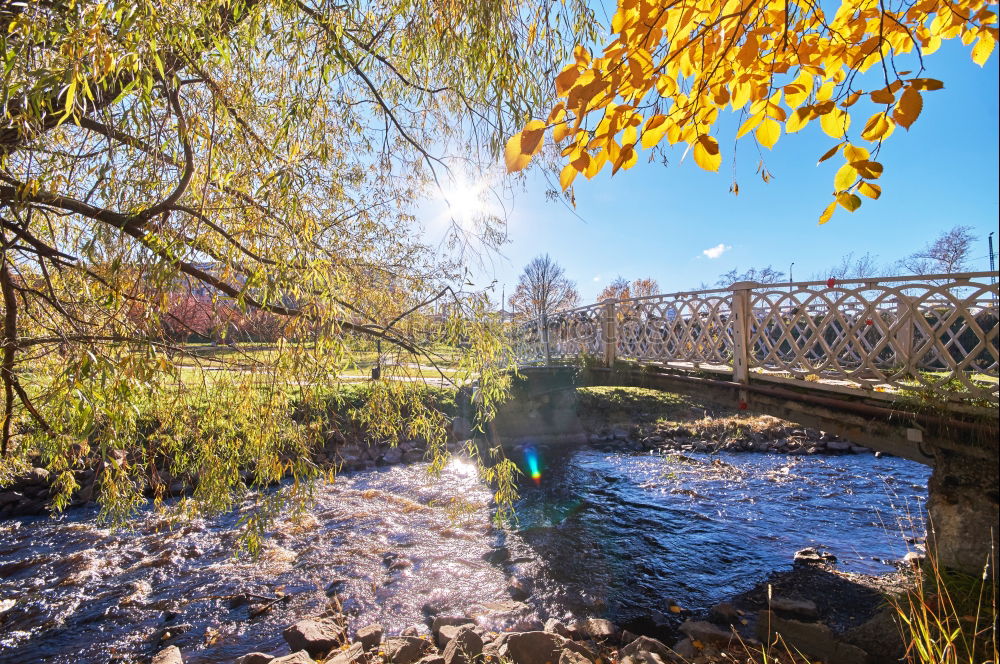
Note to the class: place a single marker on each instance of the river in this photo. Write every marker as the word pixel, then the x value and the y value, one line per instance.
pixel 601 533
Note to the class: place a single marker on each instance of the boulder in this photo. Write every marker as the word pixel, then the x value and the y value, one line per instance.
pixel 315 636
pixel 598 629
pixel 432 659
pixel 446 634
pixel 706 632
pixel 570 657
pixel 810 556
pixel 300 657
pixel 645 644
pixel 555 626
pixel 169 655
pixel 455 621
pixel 405 649
pixel 724 613
pixel 532 647
pixel 370 636
pixel 464 647
pixel 810 638
pixel 255 658
pixel 801 608
pixel 838 446
pixel 353 655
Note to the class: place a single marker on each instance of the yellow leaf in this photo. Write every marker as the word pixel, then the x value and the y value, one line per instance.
pixel 522 146
pixel 655 128
pixel 750 124
pixel 870 170
pixel 706 153
pixel 666 86
pixel 561 131
pixel 769 132
pixel 566 79
pixel 854 153
pixel 845 177
pixel 829 153
pixel 883 96
pixel 878 127
pixel 835 123
pixel 927 83
pixel 983 49
pixel 827 213
pixel 870 190
pixel 567 175
pixel 798 120
pixel 798 91
pixel 851 99
pixel 909 107
pixel 626 158
pixel 848 201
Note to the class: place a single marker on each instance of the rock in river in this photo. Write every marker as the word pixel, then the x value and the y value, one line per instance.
pixel 315 636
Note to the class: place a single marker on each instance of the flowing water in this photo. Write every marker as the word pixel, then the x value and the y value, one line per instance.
pixel 600 533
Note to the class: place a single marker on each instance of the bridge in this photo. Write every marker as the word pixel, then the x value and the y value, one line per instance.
pixel 905 365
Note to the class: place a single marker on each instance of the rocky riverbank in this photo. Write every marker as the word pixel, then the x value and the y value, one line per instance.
pixel 812 612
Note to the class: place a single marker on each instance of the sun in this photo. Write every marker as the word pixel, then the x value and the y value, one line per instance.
pixel 465 200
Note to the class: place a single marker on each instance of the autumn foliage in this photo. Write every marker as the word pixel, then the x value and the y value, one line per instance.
pixel 674 65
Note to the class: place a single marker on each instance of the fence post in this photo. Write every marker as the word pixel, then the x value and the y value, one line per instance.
pixel 904 332
pixel 610 334
pixel 545 340
pixel 741 312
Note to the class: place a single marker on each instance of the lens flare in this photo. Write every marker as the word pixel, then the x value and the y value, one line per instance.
pixel 531 455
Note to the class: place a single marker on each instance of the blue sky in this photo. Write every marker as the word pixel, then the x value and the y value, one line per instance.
pixel 656 221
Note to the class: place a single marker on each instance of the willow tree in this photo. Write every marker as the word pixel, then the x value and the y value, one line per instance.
pixel 671 67
pixel 262 156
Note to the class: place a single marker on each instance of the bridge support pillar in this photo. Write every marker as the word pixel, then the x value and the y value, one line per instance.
pixel 962 503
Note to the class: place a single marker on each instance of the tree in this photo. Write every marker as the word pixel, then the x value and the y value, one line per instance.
pixel 947 254
pixel 622 289
pixel 542 290
pixel 671 68
pixel 269 153
pixel 765 275
pixel 854 267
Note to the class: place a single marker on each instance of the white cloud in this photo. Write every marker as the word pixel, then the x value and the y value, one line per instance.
pixel 717 250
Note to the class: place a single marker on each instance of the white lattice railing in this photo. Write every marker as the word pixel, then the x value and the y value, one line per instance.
pixel 936 332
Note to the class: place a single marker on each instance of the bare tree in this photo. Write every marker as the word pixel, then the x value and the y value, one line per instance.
pixel 764 275
pixel 622 289
pixel 855 267
pixel 543 289
pixel 947 254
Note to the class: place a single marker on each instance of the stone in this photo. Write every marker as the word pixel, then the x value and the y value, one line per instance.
pixel 405 649
pixel 724 613
pixel 169 655
pixel 838 446
pixel 520 587
pixel 464 647
pixel 255 658
pixel 300 657
pixel 353 655
pixel 962 510
pixel 38 476
pixel 370 636
pixel 859 449
pixel 810 638
pixel 392 456
pixel 570 657
pixel 461 429
pixel 446 634
pixel 644 644
pixel 556 626
pixel 685 648
pixel 802 608
pixel 706 632
pixel 532 647
pixel 431 659
pixel 598 629
pixel 880 637
pixel 455 621
pixel 810 556
pixel 315 636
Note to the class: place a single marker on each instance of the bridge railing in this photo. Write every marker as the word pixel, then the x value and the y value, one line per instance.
pixel 933 332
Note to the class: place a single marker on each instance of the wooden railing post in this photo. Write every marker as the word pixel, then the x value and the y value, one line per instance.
pixel 610 333
pixel 904 332
pixel 741 313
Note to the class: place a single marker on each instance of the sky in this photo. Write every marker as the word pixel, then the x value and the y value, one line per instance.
pixel 681 226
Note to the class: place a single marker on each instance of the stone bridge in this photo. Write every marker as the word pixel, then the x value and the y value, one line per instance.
pixel 905 365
